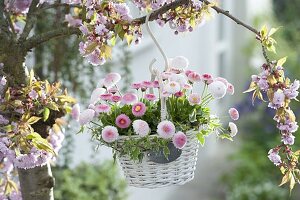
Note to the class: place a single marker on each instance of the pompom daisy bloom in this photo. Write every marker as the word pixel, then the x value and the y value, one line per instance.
pixel 109 134
pixel 179 140
pixel 217 89
pixel 150 97
pixel 75 112
pixel 207 78
pixel 139 109
pixel 234 114
pixel 166 129
pixel 179 94
pixel 233 129
pixel 102 108
pixel 223 80
pixel 194 77
pixel 172 87
pixel 136 86
pixel 116 98
pixel 230 89
pixel 179 78
pixel 106 97
pixel 96 95
pixel 187 87
pixel 147 84
pixel 141 127
pixel 188 72
pixel 155 84
pixel 111 79
pixel 123 121
pixel 86 116
pixel 129 98
pixel 194 99
pixel 179 62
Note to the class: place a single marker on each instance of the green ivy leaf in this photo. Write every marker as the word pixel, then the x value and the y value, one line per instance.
pixel 201 138
pixel 46 114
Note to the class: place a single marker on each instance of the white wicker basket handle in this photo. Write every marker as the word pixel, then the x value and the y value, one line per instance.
pixel 155 72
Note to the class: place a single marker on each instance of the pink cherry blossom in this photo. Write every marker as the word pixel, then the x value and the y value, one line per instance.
pixel 109 134
pixel 234 114
pixel 139 109
pixel 194 99
pixel 179 140
pixel 123 121
pixel 141 127
pixel 75 112
pixel 129 98
pixel 33 94
pixel 166 129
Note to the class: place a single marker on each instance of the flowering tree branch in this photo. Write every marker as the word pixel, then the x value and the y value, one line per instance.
pixel 227 14
pixel 30 20
pixel 37 40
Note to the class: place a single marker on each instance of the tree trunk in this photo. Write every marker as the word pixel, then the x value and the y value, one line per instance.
pixel 37 183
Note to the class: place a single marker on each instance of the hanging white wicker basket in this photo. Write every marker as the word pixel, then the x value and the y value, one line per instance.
pixel 149 174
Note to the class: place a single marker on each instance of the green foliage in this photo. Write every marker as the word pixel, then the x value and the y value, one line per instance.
pixel 89 182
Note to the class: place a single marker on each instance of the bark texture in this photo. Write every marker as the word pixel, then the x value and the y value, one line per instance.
pixel 37 183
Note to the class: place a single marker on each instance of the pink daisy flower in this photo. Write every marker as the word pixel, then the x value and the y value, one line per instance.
pixel 194 77
pixel 165 94
pixel 207 78
pixel 179 140
pixel 150 97
pixel 106 97
pixel 96 95
pixel 187 86
pixel 179 94
pixel 217 89
pixel 75 112
pixel 113 90
pixel 194 99
pixel 166 129
pixel 234 113
pixel 109 134
pixel 102 108
pixel 141 127
pixel 111 79
pixel 116 98
pixel 147 84
pixel 233 129
pixel 123 121
pixel 155 84
pixel 136 86
pixel 187 72
pixel 129 98
pixel 172 87
pixel 139 109
pixel 230 89
pixel 86 116
pixel 166 75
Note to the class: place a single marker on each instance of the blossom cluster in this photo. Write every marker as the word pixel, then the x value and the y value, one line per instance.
pixel 107 22
pixel 114 114
pixel 182 19
pixel 280 91
pixel 22 110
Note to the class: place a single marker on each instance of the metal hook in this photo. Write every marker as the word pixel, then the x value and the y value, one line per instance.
pixel 156 43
